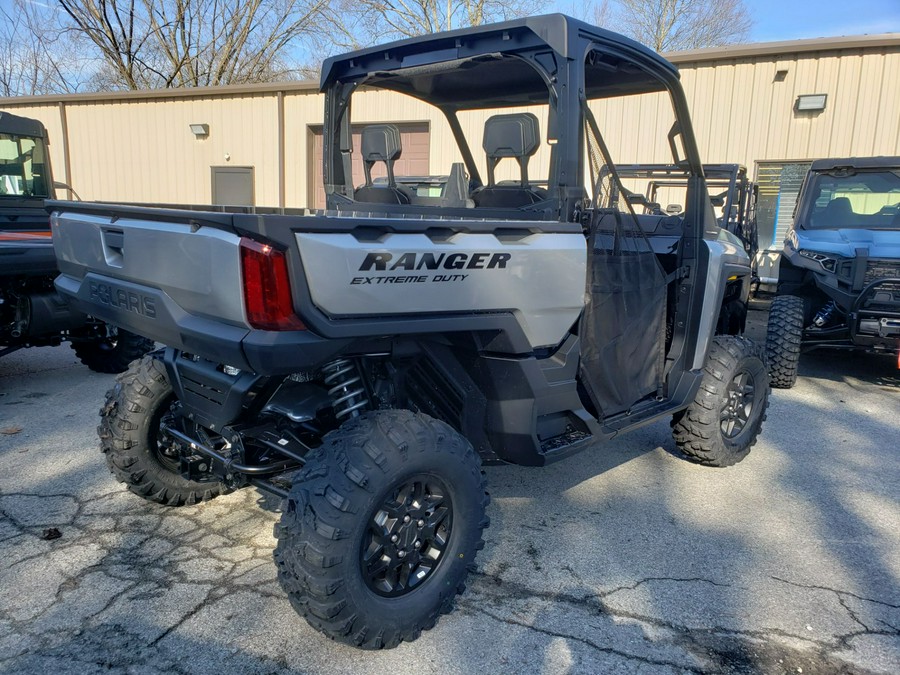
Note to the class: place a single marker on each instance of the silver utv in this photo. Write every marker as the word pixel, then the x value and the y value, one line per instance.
pixel 361 362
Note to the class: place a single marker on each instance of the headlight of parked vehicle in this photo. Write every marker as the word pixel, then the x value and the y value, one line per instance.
pixel 826 261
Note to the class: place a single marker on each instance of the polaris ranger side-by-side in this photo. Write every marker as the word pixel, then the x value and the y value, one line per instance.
pixel 362 361
pixel 32 313
pixel 839 277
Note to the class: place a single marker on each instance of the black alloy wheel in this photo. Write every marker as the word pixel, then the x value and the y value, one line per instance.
pixel 381 528
pixel 167 449
pixel 723 421
pixel 407 536
pixel 737 410
pixel 137 451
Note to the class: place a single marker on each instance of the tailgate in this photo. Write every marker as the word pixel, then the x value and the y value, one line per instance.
pixel 173 282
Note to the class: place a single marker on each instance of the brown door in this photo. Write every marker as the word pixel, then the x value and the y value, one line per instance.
pixel 414 160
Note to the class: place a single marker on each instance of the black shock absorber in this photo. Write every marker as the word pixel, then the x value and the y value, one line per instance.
pixel 345 387
pixel 825 315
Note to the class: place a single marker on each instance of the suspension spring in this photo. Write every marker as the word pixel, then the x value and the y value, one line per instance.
pixel 824 315
pixel 348 395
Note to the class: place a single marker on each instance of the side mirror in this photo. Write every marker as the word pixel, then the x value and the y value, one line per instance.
pixel 59 185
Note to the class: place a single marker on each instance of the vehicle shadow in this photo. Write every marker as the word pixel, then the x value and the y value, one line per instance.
pixel 854 368
pixel 781 563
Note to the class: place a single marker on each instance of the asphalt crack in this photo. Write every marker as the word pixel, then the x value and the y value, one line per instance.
pixel 589 643
pixel 717 643
pixel 836 591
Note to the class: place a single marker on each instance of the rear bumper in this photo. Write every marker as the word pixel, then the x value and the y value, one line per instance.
pixel 151 312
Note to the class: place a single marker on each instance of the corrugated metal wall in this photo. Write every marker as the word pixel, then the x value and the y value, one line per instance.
pixel 145 151
pixel 742 110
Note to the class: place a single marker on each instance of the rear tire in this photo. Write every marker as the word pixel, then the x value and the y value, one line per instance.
pixel 381 528
pixel 783 337
pixel 722 423
pixel 130 438
pixel 112 352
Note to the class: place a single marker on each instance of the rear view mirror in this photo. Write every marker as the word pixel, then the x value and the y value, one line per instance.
pixel 674 209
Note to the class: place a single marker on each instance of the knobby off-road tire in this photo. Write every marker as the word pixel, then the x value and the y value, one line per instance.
pixel 783 337
pixel 346 519
pixel 722 423
pixel 135 450
pixel 112 353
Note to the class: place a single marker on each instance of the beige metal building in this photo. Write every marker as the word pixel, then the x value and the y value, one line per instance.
pixel 263 144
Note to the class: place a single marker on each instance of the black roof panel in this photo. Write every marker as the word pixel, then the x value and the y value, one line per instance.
pixel 856 163
pixel 21 126
pixel 484 66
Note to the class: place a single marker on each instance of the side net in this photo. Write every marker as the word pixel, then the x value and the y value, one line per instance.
pixel 623 325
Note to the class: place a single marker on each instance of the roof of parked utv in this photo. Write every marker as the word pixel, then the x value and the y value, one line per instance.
pixel 20 126
pixel 855 163
pixel 487 66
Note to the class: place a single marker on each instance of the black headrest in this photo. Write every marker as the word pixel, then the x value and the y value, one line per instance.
pixel 839 205
pixel 380 143
pixel 514 135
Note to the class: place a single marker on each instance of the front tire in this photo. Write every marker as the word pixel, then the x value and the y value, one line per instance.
pixel 381 528
pixel 722 423
pixel 113 351
pixel 784 335
pixel 136 452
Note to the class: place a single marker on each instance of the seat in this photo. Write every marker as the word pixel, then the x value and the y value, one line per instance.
pixel 381 143
pixel 516 136
pixel 838 212
pixel 895 222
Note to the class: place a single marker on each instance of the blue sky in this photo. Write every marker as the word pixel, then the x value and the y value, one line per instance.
pixel 795 19
pixel 789 20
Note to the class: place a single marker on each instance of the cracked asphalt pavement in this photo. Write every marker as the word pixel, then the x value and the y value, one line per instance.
pixel 624 558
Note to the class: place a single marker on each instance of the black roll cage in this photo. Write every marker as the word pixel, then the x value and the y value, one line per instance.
pixel 438 70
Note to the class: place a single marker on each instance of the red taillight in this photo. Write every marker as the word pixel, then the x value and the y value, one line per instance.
pixel 267 288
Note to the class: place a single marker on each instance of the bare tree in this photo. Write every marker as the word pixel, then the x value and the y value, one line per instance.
pixel 598 13
pixel 188 43
pixel 33 51
pixel 671 25
pixel 377 20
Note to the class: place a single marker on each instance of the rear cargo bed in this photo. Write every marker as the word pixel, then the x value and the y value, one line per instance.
pixel 175 275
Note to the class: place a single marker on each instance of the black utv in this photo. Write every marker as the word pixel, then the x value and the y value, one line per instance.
pixel 32 313
pixel 362 361
pixel 839 276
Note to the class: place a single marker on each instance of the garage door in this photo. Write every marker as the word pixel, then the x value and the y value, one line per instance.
pixel 414 161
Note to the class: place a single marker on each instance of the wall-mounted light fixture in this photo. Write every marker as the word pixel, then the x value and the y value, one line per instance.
pixel 200 130
pixel 810 102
